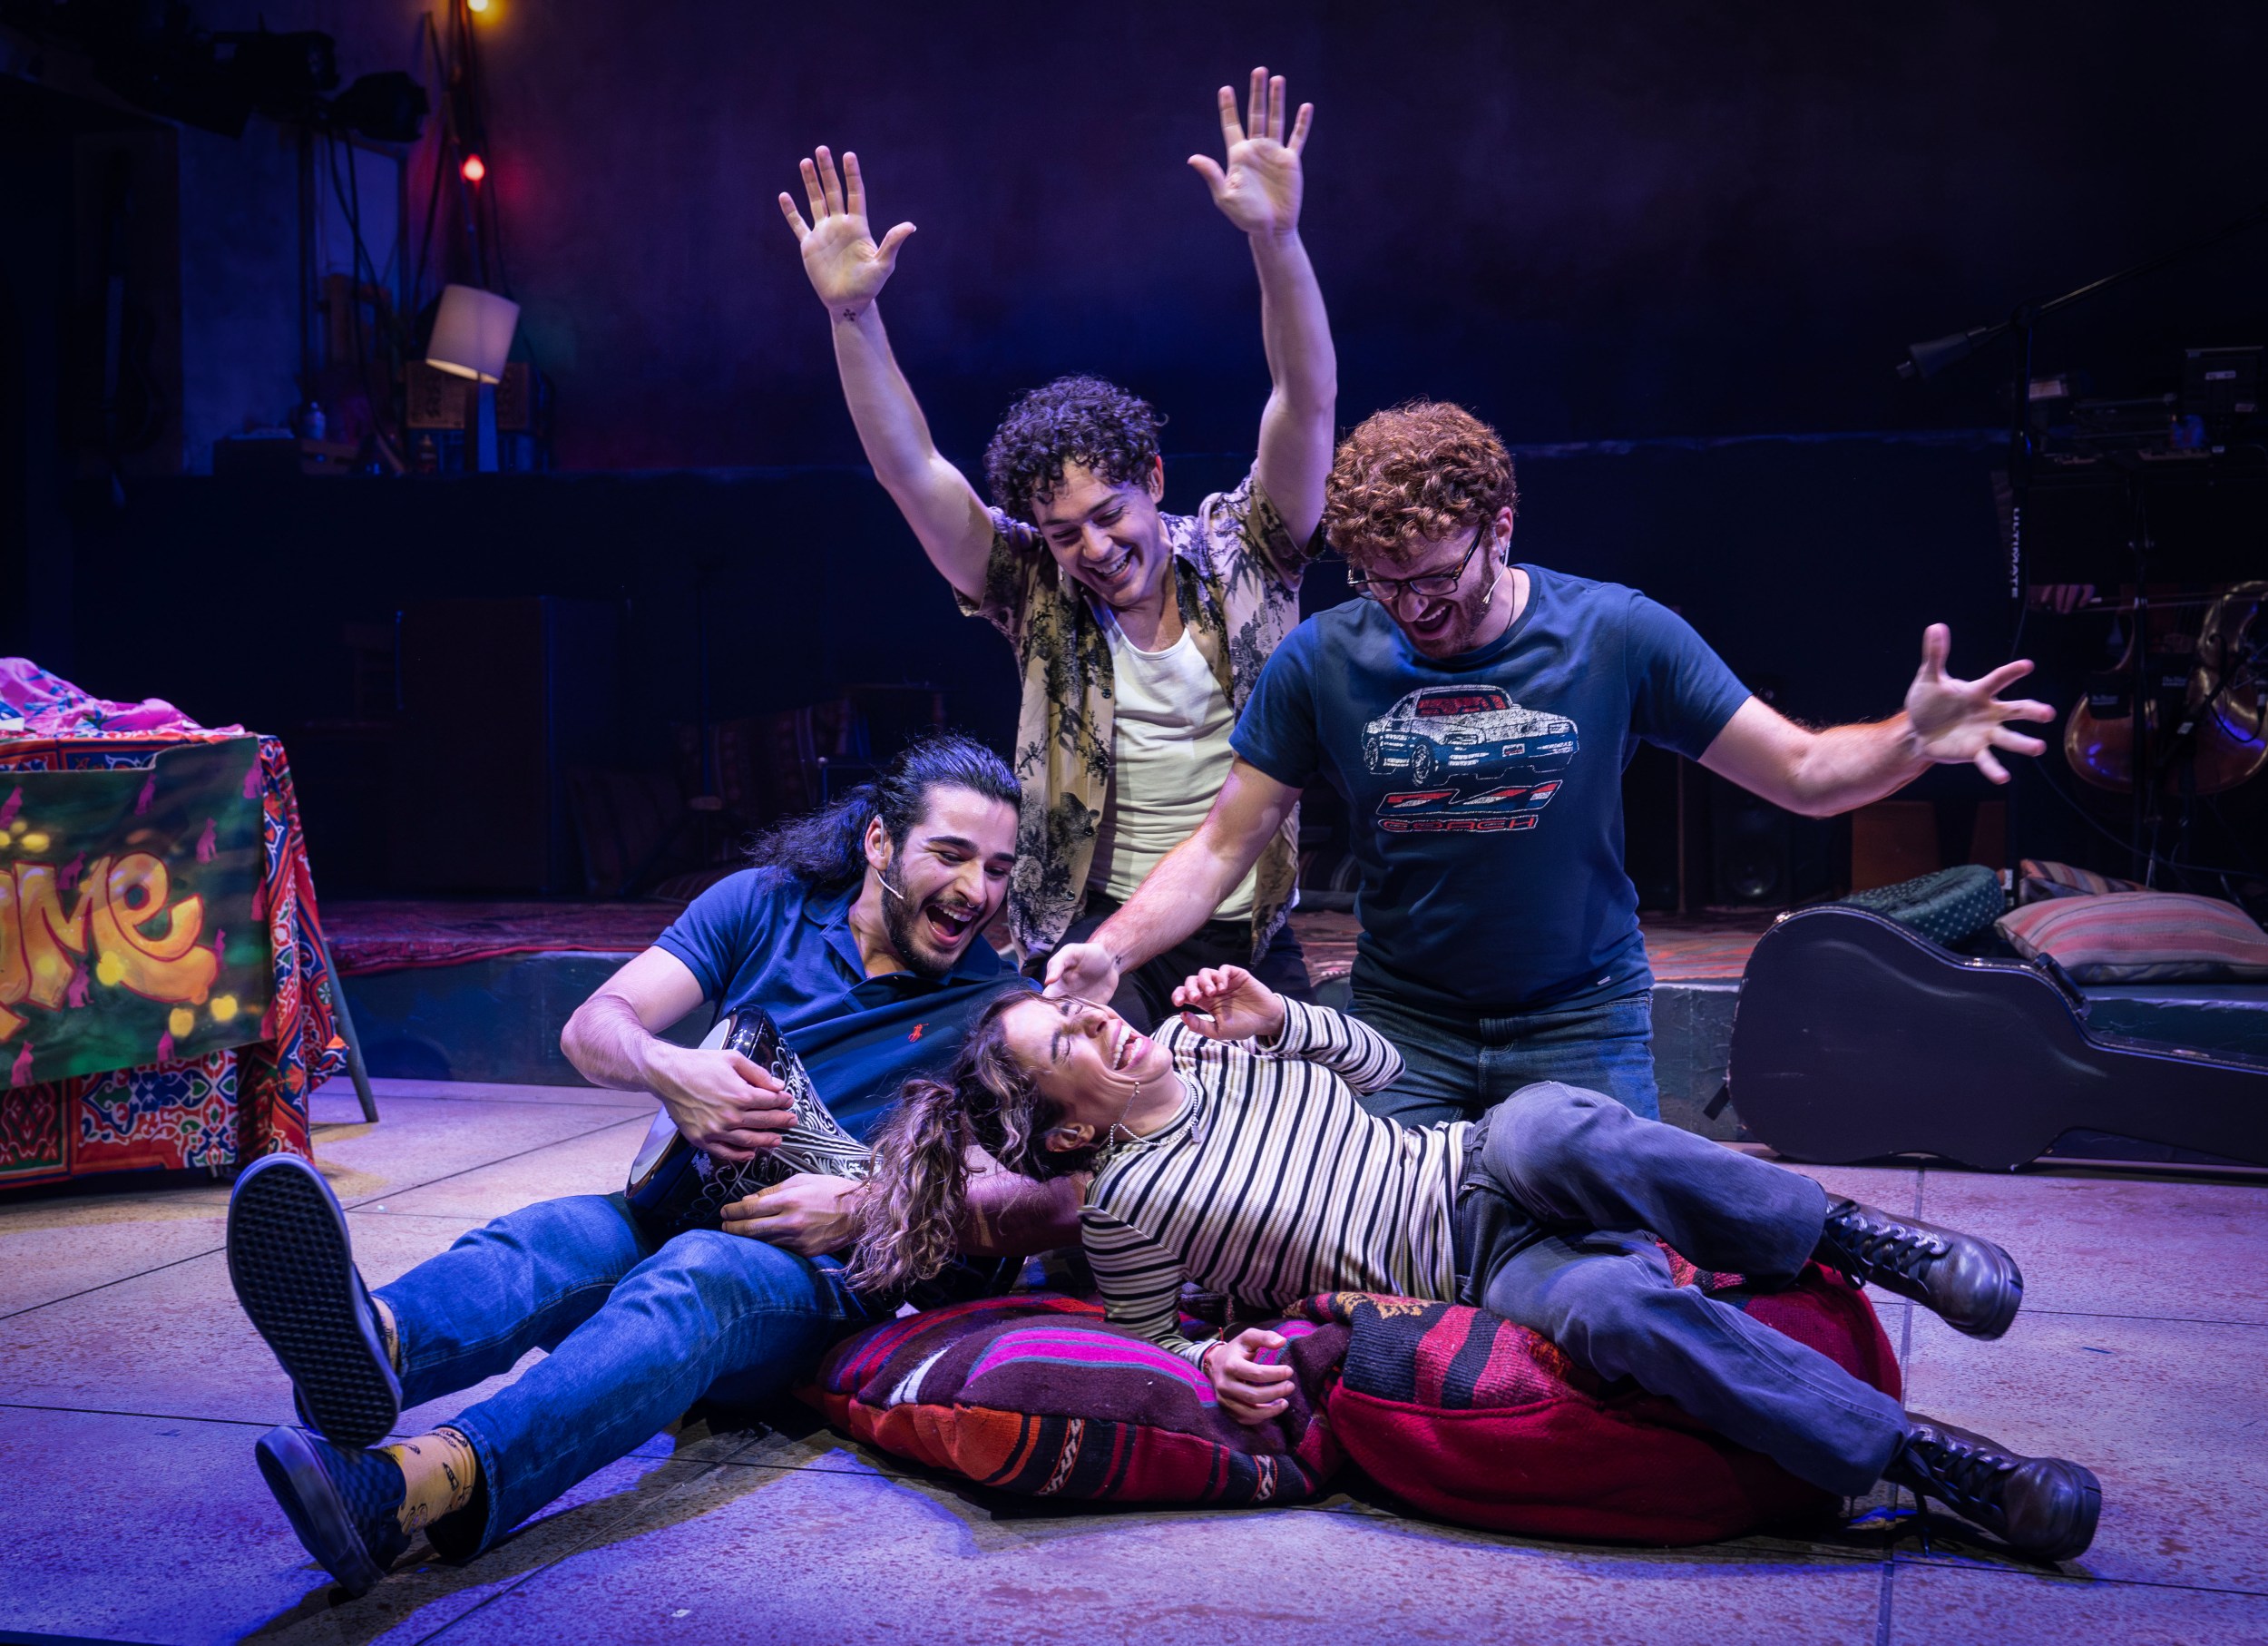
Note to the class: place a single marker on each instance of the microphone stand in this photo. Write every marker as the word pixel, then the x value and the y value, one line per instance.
pixel 1925 361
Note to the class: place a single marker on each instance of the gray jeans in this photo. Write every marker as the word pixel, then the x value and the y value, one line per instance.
pixel 1563 1193
pixel 1457 1067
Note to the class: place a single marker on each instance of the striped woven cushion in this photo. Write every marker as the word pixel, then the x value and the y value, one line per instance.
pixel 1470 1417
pixel 2141 937
pixel 2044 877
pixel 1035 1394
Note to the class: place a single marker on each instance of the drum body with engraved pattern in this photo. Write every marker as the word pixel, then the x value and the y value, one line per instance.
pixel 674 1186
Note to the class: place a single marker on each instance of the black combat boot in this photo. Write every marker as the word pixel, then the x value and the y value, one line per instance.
pixel 2041 1506
pixel 1972 1285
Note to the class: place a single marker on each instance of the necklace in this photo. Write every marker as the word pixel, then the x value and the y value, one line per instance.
pixel 1110 1134
pixel 1111 1137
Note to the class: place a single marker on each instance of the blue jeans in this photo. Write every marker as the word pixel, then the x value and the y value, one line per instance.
pixel 1560 1198
pixel 633 1333
pixel 1458 1066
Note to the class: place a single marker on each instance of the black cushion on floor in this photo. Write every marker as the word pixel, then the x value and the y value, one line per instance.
pixel 1950 906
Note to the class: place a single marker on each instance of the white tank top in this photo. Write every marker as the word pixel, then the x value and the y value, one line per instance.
pixel 1169 756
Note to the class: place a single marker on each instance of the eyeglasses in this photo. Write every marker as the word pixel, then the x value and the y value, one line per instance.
pixel 1386 591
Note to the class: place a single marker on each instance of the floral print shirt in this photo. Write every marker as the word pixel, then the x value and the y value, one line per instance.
pixel 1237 574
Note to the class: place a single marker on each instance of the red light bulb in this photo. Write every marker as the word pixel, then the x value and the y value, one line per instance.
pixel 472 169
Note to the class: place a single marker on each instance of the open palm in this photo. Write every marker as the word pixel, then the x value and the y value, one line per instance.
pixel 1959 721
pixel 847 267
pixel 1259 188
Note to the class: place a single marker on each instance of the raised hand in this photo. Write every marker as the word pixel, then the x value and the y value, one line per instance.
pixel 1229 1002
pixel 847 269
pixel 1956 721
pixel 1259 188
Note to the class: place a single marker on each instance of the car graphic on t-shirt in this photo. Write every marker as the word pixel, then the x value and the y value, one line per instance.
pixel 1445 732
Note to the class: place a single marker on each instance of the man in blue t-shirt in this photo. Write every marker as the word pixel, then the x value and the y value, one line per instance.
pixel 1476 716
pixel 859 935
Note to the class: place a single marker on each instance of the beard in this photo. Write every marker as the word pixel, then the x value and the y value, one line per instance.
pixel 925 953
pixel 1467 614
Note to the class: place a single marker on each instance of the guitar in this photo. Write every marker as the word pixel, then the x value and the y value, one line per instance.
pixel 674 1186
pixel 1855 1037
pixel 2207 716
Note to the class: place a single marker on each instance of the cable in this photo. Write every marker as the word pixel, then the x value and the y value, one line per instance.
pixel 445 142
pixel 2127 846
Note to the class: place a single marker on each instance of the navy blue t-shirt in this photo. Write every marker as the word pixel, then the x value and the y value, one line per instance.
pixel 1485 790
pixel 761 935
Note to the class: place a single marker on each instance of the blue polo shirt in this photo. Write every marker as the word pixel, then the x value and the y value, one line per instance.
pixel 1486 790
pixel 761 935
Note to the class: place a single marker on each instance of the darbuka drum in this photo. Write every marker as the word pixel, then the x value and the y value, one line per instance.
pixel 674 1186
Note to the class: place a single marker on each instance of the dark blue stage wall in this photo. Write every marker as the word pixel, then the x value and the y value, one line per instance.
pixel 1702 232
pixel 812 581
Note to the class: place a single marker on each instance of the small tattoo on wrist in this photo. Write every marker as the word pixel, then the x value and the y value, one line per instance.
pixel 852 314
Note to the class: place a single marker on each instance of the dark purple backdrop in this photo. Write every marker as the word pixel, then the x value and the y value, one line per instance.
pixel 1589 221
pixel 1673 251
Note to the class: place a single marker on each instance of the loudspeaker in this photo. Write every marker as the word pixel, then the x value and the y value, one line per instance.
pixel 1749 849
pixel 1761 856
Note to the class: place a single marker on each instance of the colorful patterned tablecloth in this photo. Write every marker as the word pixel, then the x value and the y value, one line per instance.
pixel 224 1107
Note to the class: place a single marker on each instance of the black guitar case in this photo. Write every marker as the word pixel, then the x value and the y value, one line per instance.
pixel 1856 1037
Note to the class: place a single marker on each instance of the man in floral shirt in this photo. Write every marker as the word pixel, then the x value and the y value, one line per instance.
pixel 1138 635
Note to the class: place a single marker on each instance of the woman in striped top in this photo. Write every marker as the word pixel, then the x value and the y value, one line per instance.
pixel 1231 1150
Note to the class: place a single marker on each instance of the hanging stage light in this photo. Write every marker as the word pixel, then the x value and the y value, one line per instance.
pixel 473 169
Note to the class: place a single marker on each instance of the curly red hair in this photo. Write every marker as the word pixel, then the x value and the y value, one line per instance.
pixel 1414 476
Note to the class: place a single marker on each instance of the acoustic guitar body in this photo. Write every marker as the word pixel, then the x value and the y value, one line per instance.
pixel 2207 721
pixel 1855 1037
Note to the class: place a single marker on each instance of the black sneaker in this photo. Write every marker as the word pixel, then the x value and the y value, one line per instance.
pixel 1972 1285
pixel 2046 1507
pixel 293 1267
pixel 345 1505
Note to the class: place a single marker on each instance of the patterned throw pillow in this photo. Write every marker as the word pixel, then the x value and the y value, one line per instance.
pixel 1466 1416
pixel 1947 906
pixel 2041 878
pixel 1460 1414
pixel 2142 937
pixel 1033 1394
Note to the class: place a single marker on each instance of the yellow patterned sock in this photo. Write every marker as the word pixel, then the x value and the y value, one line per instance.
pixel 439 1471
pixel 386 1334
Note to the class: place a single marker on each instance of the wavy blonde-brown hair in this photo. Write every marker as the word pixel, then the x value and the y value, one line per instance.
pixel 1405 478
pixel 909 1217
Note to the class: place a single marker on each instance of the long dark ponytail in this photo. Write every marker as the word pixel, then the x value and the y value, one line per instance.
pixel 826 849
pixel 910 1216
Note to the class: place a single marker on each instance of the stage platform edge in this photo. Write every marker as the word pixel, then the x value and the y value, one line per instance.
pixel 499 1020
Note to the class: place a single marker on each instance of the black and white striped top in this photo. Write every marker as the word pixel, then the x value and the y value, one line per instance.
pixel 1274 1182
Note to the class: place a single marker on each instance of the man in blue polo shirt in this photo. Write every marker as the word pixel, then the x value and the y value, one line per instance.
pixel 1476 716
pixel 858 932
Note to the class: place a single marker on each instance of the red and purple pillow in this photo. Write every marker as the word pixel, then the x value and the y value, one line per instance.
pixel 1466 1416
pixel 1035 1394
pixel 1459 1412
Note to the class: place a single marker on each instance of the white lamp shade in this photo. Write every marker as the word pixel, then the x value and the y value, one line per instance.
pixel 472 335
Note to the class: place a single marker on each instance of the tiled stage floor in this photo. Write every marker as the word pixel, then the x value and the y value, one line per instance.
pixel 131 1390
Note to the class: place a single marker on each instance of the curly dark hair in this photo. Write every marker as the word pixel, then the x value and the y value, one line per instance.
pixel 1423 472
pixel 826 849
pixel 1082 420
